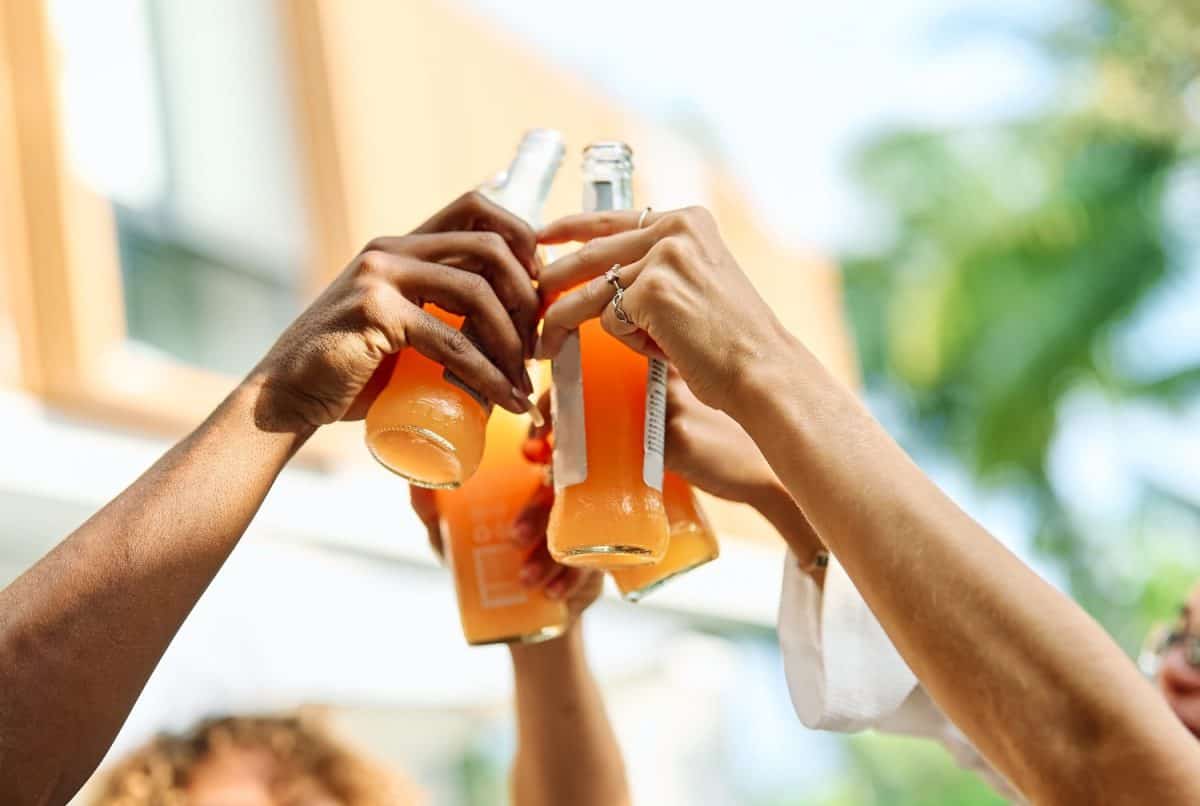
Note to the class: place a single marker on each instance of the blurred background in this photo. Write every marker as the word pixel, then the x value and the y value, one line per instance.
pixel 986 212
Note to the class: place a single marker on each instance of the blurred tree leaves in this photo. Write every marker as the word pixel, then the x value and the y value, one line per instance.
pixel 1017 250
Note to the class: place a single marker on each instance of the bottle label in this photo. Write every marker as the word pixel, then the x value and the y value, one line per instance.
pixel 656 424
pixel 497 569
pixel 566 410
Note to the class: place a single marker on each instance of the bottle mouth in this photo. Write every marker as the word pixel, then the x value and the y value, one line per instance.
pixel 543 140
pixel 608 155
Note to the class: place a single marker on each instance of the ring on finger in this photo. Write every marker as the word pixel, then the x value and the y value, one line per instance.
pixel 642 218
pixel 618 293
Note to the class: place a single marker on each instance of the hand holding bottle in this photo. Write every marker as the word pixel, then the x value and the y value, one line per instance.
pixel 685 297
pixel 473 258
pixel 578 587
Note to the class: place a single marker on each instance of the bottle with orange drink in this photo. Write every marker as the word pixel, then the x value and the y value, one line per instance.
pixel 692 543
pixel 477 517
pixel 609 405
pixel 426 425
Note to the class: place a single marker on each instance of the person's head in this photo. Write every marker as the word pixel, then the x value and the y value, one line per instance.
pixel 251 761
pixel 1178 667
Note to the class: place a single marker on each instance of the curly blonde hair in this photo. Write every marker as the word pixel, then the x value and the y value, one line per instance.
pixel 301 747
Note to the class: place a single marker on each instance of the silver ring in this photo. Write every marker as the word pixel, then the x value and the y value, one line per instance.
pixel 642 218
pixel 618 294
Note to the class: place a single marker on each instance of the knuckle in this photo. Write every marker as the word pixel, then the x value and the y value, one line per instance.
pixel 670 250
pixel 697 217
pixel 458 344
pixel 491 244
pixel 472 200
pixel 654 284
pixel 673 223
pixel 372 262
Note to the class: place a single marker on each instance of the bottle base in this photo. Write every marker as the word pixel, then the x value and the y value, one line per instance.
pixel 638 594
pixel 607 556
pixel 544 634
pixel 417 455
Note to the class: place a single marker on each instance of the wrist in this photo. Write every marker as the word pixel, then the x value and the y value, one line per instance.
pixel 267 409
pixel 552 652
pixel 763 375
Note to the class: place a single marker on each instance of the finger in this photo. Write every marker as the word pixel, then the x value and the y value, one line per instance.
pixel 568 583
pixel 586 226
pixel 484 253
pixel 627 330
pixel 538 568
pixel 573 309
pixel 424 503
pixel 376 384
pixel 436 340
pixel 473 211
pixel 555 583
pixel 470 295
pixel 529 527
pixel 595 258
pixel 540 432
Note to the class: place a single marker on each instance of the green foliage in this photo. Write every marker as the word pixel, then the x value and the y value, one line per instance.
pixel 1017 252
pixel 893 771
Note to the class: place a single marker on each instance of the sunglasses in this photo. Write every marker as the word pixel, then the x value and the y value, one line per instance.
pixel 1161 640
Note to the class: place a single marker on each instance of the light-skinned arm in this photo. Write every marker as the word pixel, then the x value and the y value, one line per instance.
pixel 1031 679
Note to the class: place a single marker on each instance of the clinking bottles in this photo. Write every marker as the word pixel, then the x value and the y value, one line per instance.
pixel 424 426
pixel 609 404
pixel 692 543
pixel 477 517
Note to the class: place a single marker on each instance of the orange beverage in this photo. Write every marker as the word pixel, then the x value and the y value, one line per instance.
pixel 426 426
pixel 609 404
pixel 692 543
pixel 477 521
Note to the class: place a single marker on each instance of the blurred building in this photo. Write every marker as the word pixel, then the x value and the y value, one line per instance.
pixel 176 180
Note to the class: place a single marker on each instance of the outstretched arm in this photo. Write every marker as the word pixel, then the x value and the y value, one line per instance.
pixel 1032 680
pixel 566 749
pixel 81 631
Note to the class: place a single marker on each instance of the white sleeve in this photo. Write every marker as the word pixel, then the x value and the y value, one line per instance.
pixel 844 674
pixel 842 671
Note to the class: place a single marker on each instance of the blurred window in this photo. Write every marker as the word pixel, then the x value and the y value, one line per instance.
pixel 9 348
pixel 179 115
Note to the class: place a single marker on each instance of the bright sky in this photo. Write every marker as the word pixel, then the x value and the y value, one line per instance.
pixel 787 89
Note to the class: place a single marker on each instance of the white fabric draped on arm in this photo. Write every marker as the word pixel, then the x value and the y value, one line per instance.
pixel 844 674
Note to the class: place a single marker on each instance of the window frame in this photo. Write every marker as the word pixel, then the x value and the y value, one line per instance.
pixel 69 312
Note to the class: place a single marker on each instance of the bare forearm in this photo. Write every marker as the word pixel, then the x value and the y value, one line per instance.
pixel 81 631
pixel 566 750
pixel 1034 682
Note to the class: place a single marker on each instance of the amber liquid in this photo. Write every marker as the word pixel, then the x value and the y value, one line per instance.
pixel 477 521
pixel 423 427
pixel 692 543
pixel 612 519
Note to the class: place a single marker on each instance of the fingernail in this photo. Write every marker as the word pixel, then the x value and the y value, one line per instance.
pixel 521 532
pixel 528 406
pixel 530 574
pixel 555 589
pixel 535 415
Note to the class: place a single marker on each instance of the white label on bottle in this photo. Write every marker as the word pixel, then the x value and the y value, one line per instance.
pixel 497 567
pixel 566 409
pixel 656 423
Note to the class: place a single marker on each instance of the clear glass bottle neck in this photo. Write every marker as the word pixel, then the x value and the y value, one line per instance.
pixel 607 176
pixel 525 186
